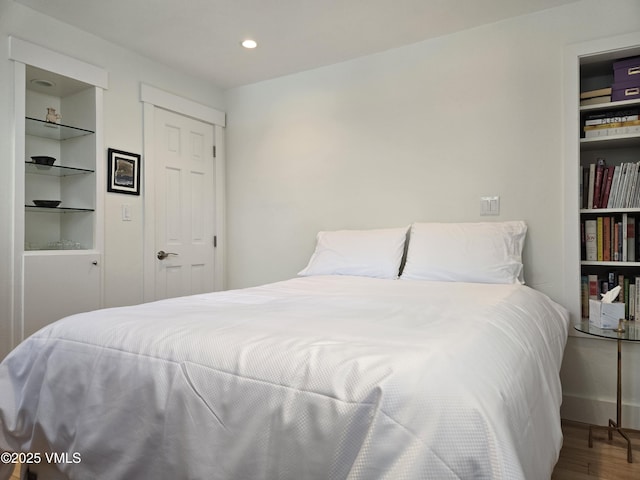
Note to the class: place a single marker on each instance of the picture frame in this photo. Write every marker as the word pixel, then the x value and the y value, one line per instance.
pixel 123 172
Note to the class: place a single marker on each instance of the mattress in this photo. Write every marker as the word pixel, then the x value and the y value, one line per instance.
pixel 324 377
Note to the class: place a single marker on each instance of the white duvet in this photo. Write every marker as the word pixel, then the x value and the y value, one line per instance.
pixel 326 377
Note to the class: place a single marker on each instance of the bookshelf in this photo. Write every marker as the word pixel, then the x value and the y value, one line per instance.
pixel 609 191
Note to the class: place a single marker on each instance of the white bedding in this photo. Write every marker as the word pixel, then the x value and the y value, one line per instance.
pixel 326 377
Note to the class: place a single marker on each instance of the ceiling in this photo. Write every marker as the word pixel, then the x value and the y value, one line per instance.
pixel 202 37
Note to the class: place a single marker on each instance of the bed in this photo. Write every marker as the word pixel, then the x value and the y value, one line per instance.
pixel 324 376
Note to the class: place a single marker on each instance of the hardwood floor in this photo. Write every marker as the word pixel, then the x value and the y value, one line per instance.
pixel 607 460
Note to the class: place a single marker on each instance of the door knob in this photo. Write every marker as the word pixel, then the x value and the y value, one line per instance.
pixel 162 254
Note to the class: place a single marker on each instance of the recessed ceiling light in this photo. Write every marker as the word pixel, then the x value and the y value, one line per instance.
pixel 43 83
pixel 249 44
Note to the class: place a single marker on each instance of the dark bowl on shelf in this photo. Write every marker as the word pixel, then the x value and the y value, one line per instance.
pixel 43 160
pixel 46 203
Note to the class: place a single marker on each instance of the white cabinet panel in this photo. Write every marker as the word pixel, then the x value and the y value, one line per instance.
pixel 58 285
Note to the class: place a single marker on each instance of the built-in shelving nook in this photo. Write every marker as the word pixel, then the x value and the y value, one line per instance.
pixel 59 186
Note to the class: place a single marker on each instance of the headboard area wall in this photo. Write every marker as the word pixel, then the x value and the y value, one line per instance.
pixel 417 133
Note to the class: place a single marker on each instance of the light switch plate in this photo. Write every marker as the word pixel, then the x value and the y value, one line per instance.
pixel 490 205
pixel 126 212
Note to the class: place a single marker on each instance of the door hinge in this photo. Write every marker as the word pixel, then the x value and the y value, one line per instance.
pixel 214 151
pixel 215 241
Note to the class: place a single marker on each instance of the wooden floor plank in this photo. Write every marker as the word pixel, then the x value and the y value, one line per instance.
pixel 607 460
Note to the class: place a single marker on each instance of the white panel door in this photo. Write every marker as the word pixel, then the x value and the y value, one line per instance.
pixel 184 192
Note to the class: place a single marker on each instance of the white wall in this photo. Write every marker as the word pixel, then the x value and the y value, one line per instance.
pixel 123 115
pixel 416 133
pixel 419 133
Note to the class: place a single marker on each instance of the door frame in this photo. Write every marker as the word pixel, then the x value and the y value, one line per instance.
pixel 153 98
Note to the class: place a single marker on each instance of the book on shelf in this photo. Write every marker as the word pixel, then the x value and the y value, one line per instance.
pixel 622 243
pixel 591 240
pixel 599 238
pixel 582 189
pixel 616 241
pixel 607 180
pixel 599 92
pixel 624 294
pixel 594 288
pixel 584 296
pixel 631 239
pixel 616 254
pixel 611 116
pixel 595 100
pixel 627 117
pixel 636 300
pixel 606 239
pixel 597 183
pixel 590 184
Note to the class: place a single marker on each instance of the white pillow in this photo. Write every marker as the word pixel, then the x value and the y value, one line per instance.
pixel 368 253
pixel 487 252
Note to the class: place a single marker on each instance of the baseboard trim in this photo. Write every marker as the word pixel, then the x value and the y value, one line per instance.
pixel 598 412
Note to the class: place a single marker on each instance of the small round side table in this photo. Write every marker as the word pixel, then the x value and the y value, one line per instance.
pixel 626 331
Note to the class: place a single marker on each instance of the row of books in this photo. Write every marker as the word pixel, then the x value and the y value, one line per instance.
pixel 610 238
pixel 593 286
pixel 610 186
pixel 611 122
pixel 629 127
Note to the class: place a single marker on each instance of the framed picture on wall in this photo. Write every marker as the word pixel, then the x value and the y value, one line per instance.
pixel 124 172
